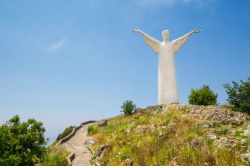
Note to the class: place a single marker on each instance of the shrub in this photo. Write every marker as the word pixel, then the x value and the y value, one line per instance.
pixel 92 129
pixel 239 95
pixel 66 132
pixel 56 156
pixel 128 107
pixel 22 143
pixel 203 96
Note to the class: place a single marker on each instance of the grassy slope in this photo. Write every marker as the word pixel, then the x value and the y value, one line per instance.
pixel 56 156
pixel 169 137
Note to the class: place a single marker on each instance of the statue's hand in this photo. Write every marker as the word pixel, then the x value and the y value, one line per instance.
pixel 135 30
pixel 197 31
pixel 138 31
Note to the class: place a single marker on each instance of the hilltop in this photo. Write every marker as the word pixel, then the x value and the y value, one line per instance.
pixel 173 135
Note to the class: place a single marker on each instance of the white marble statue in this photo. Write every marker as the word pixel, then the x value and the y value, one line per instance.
pixel 167 84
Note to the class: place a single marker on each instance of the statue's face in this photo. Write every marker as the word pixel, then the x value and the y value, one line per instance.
pixel 165 35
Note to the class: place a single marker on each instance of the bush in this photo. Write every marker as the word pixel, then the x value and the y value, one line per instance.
pixel 203 96
pixel 66 132
pixel 22 143
pixel 239 95
pixel 92 129
pixel 128 107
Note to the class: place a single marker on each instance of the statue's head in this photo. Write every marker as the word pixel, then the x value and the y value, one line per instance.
pixel 165 35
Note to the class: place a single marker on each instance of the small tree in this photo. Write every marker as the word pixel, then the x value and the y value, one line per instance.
pixel 203 96
pixel 128 107
pixel 239 95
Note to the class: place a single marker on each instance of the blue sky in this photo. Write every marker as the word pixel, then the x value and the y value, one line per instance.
pixel 64 62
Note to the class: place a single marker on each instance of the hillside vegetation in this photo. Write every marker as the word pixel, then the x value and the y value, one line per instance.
pixel 174 135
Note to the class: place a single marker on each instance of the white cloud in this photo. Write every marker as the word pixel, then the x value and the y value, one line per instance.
pixel 56 46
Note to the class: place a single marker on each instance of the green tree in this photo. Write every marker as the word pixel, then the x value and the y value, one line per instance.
pixel 22 143
pixel 128 107
pixel 239 95
pixel 203 96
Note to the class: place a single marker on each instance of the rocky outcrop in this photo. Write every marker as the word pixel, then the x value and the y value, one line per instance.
pixel 100 151
pixel 245 158
pixel 144 128
pixel 89 141
pixel 129 162
pixel 209 113
pixel 98 154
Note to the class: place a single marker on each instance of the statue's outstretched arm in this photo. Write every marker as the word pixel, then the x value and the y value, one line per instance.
pixel 178 43
pixel 153 43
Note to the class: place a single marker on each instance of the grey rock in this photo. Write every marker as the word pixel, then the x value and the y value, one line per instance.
pixel 248 149
pixel 236 122
pixel 141 129
pixel 206 126
pixel 245 158
pixel 173 162
pixel 171 123
pixel 246 133
pixel 100 150
pixel 129 162
pixel 103 123
pixel 243 141
pixel 138 110
pixel 232 132
pixel 90 141
pixel 152 127
pixel 161 137
pixel 156 107
pixel 144 128
pixel 248 125
pixel 162 127
pixel 132 123
pixel 128 131
pixel 217 114
pixel 197 143
pixel 223 142
pixel 212 136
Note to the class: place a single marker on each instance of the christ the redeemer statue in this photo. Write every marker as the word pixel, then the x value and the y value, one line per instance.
pixel 167 84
